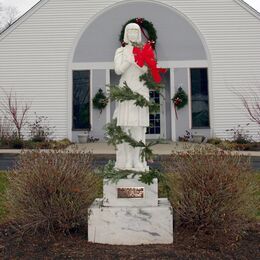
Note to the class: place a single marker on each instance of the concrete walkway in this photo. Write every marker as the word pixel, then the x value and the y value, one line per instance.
pixel 103 152
pixel 104 148
pixel 159 149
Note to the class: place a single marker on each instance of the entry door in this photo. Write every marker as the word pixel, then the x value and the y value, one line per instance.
pixel 157 120
pixel 157 128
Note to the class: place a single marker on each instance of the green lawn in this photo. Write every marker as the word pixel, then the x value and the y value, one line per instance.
pixel 3 185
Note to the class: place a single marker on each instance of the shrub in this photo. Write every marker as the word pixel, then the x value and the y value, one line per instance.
pixel 210 190
pixel 214 141
pixel 6 131
pixel 40 130
pixel 3 185
pixel 17 143
pixel 240 135
pixel 51 191
pixel 14 111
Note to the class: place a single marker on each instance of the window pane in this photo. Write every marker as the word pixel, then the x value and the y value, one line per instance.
pixel 155 118
pixel 200 98
pixel 81 99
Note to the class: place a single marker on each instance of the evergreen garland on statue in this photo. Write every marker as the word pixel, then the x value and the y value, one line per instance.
pixel 124 93
pixel 115 134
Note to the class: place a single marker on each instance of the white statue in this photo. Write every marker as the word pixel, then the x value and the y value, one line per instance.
pixel 133 119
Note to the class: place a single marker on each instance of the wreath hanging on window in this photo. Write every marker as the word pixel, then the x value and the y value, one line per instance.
pixel 144 25
pixel 180 100
pixel 100 100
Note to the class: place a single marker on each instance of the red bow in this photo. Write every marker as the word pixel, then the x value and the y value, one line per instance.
pixel 146 56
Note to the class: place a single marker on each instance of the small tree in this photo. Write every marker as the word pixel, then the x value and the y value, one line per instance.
pixel 14 113
pixel 39 129
pixel 252 106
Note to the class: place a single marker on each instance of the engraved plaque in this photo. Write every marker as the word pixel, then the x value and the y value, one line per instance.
pixel 130 193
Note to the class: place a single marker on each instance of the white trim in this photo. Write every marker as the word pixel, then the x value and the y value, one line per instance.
pixel 173 119
pixel 162 134
pixel 163 115
pixel 210 100
pixel 23 18
pixel 211 104
pixel 248 7
pixel 90 99
pixel 189 98
pixel 163 64
pixel 179 64
pixel 108 108
pixel 152 136
pixel 69 103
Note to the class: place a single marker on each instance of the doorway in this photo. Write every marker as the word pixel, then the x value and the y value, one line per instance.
pixel 157 128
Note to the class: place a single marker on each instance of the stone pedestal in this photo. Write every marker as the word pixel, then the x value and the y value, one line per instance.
pixel 130 213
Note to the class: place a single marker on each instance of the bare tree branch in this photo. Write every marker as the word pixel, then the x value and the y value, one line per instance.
pixel 251 102
pixel 9 15
pixel 14 113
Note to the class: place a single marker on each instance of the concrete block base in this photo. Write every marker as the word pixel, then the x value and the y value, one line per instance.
pixel 132 225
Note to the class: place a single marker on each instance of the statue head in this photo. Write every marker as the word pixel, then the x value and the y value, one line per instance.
pixel 132 33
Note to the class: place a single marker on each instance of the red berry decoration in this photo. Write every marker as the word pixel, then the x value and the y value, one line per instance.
pixel 180 99
pixel 139 20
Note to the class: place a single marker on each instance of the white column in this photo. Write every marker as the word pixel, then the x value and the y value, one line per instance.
pixel 173 118
pixel 107 92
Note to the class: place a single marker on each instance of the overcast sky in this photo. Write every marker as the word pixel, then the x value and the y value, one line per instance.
pixel 24 5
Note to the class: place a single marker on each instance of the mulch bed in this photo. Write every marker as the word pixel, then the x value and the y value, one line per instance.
pixel 75 246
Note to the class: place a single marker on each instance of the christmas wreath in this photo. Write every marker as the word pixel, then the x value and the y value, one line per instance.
pixel 144 25
pixel 100 100
pixel 180 99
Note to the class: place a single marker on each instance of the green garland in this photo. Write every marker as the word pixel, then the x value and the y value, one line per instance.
pixel 109 172
pixel 144 24
pixel 117 136
pixel 100 100
pixel 150 83
pixel 125 93
pixel 180 99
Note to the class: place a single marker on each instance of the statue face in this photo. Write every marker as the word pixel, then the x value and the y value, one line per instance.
pixel 132 35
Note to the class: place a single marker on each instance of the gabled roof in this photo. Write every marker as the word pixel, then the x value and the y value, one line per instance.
pixel 22 18
pixel 39 4
pixel 248 8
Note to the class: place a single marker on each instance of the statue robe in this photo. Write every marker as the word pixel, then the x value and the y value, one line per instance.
pixel 126 112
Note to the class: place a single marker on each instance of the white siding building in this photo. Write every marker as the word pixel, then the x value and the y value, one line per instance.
pixel 59 53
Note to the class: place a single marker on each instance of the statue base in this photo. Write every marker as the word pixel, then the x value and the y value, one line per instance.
pixel 130 225
pixel 130 214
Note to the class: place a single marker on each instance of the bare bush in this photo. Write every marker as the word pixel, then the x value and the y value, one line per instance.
pixel 6 130
pixel 40 131
pixel 14 112
pixel 210 190
pixel 252 106
pixel 51 191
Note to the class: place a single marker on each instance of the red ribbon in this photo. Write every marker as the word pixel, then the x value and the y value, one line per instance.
pixel 145 56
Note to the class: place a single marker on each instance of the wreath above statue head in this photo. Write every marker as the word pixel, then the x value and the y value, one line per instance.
pixel 144 25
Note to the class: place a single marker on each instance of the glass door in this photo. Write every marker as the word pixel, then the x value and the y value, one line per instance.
pixel 157 128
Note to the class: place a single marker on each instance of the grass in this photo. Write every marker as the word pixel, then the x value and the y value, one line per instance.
pixel 3 186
